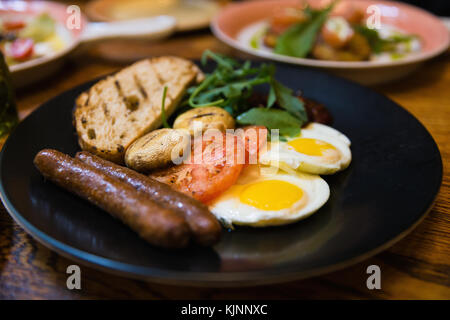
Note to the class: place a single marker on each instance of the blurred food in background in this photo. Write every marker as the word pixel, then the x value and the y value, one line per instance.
pixel 38 36
pixel 336 32
pixel 190 14
pixel 24 36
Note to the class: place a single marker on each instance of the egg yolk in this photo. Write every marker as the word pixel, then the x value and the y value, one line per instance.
pixel 270 194
pixel 311 147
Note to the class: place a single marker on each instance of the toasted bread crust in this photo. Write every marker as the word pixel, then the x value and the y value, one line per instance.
pixel 119 109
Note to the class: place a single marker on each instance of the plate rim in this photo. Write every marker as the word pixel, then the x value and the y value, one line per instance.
pixel 203 279
pixel 200 279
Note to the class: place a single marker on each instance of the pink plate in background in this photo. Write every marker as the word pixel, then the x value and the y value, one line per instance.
pixel 86 33
pixel 435 37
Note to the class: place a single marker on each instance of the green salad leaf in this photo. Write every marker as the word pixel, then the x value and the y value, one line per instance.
pixel 229 85
pixel 288 101
pixel 272 119
pixel 298 40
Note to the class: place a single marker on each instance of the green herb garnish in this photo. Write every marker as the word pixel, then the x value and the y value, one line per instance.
pixel 287 101
pixel 397 56
pixel 378 44
pixel 272 119
pixel 256 38
pixel 232 83
pixel 229 85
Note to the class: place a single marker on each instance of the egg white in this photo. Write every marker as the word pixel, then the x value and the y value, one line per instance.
pixel 280 154
pixel 230 210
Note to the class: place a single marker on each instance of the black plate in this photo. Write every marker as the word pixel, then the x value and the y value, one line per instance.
pixel 389 187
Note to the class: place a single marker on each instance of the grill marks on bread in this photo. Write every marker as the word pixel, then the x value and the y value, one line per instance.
pixel 123 107
pixel 131 102
pixel 141 88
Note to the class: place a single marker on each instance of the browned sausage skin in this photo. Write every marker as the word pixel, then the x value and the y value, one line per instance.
pixel 205 228
pixel 159 226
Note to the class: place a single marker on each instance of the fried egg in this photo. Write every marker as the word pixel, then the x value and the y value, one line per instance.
pixel 265 197
pixel 318 149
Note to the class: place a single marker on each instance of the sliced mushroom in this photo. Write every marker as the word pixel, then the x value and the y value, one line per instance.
pixel 157 149
pixel 204 118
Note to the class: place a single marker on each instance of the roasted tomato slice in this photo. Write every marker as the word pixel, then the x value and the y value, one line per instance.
pixel 21 49
pixel 209 173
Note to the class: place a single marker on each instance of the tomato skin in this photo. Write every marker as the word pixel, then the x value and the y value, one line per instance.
pixel 201 182
pixel 13 25
pixel 21 49
pixel 221 163
pixel 205 187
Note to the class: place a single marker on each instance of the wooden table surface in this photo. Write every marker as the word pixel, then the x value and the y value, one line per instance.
pixel 417 267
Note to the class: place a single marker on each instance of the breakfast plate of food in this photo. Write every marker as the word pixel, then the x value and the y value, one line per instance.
pixel 219 172
pixel 364 40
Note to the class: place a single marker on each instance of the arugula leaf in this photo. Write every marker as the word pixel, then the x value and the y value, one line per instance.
pixel 288 101
pixel 222 61
pixel 197 91
pixel 272 119
pixel 298 40
pixel 234 90
pixel 229 85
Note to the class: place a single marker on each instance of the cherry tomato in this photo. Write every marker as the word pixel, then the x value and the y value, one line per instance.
pixel 21 49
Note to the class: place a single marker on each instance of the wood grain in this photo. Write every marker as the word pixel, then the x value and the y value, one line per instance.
pixel 417 267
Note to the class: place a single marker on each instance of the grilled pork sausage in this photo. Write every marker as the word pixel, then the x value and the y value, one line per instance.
pixel 158 225
pixel 204 226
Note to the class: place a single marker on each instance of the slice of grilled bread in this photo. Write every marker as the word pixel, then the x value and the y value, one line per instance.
pixel 123 107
